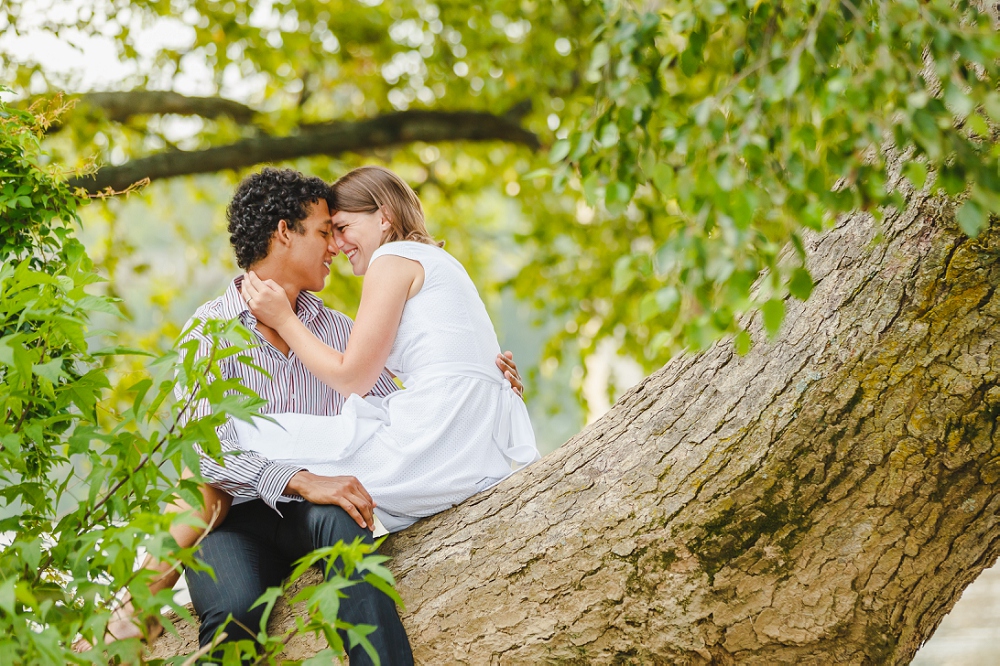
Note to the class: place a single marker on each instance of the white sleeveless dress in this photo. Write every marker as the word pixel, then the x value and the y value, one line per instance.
pixel 457 428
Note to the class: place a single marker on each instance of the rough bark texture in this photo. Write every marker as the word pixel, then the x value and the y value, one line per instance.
pixel 823 499
pixel 329 139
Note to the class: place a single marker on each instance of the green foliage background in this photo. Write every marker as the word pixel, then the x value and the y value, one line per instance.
pixel 689 141
pixel 691 148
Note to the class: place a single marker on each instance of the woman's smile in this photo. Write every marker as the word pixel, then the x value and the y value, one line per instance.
pixel 358 235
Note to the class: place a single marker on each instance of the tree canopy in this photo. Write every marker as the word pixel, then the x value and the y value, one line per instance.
pixel 661 154
pixel 653 162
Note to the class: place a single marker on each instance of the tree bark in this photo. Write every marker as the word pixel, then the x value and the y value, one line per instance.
pixel 823 499
pixel 328 139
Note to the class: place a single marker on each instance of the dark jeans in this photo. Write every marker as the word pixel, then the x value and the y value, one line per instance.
pixel 255 548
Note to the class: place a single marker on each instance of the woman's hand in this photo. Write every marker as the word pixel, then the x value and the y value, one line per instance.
pixel 266 300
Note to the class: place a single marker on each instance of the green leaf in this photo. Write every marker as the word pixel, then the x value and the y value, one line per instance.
pixel 618 193
pixel 380 582
pixel 609 135
pixel 800 285
pixel 959 103
pixel 559 151
pixel 267 599
pixel 773 312
pixel 600 56
pixel 624 274
pixel 742 343
pixel 592 189
pixel 7 595
pixel 991 104
pixel 916 173
pixel 52 370
pixel 977 125
pixel 972 218
pixel 664 301
pixel 358 634
pixel 663 178
pixel 792 79
pixel 101 304
pixel 583 145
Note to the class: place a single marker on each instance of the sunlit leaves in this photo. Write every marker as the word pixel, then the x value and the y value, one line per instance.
pixel 83 481
pixel 690 142
pixel 736 126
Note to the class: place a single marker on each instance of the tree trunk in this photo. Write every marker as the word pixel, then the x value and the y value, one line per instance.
pixel 823 499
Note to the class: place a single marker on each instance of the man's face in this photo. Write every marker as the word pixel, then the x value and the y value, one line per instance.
pixel 307 260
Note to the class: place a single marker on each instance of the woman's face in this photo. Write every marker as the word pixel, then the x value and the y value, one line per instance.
pixel 358 235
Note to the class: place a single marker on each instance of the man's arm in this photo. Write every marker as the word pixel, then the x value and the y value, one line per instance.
pixel 344 491
pixel 245 473
pixel 505 362
pixel 249 474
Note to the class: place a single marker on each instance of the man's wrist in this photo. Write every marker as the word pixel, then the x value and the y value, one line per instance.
pixel 297 483
pixel 273 481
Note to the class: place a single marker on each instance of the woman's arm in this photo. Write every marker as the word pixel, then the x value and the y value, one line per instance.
pixel 388 285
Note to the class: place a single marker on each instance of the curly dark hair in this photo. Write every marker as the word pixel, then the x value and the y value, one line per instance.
pixel 263 199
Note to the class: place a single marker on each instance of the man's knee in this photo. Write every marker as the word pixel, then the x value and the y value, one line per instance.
pixel 215 612
pixel 328 524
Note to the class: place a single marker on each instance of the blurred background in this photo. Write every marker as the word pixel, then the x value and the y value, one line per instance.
pixel 548 264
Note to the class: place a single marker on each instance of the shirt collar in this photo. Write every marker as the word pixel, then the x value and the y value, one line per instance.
pixel 308 305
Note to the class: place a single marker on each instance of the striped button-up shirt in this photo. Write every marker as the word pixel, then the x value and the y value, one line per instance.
pixel 290 388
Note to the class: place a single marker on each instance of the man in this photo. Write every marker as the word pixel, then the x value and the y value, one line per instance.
pixel 280 227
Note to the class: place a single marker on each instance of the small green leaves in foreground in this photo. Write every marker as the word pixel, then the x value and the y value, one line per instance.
pixel 720 132
pixel 343 565
pixel 82 487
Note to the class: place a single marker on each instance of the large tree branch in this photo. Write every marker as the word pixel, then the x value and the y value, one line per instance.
pixel 823 499
pixel 329 139
pixel 120 106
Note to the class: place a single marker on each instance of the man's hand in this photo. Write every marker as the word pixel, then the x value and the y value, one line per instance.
pixel 505 362
pixel 344 491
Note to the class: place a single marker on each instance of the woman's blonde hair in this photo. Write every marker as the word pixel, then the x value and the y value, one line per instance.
pixel 368 189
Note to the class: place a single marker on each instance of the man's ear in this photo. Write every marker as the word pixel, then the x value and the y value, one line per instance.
pixel 283 234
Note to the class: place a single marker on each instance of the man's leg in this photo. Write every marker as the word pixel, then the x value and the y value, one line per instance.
pixel 311 526
pixel 246 561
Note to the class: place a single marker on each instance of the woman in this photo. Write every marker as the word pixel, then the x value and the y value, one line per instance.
pixel 456 429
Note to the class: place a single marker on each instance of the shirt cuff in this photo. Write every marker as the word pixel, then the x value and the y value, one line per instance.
pixel 272 483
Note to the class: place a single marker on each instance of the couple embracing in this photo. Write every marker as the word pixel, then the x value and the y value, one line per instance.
pixel 333 461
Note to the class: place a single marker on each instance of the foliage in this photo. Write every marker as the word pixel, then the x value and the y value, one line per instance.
pixel 82 485
pixel 721 132
pixel 690 141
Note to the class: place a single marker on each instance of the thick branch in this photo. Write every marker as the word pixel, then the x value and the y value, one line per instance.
pixel 329 139
pixel 120 106
pixel 823 499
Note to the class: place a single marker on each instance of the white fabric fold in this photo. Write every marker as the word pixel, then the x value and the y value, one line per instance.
pixel 512 432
